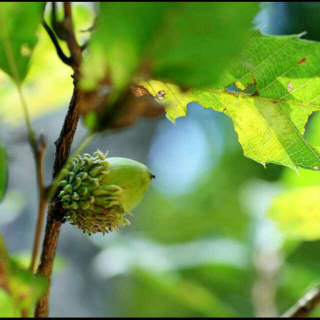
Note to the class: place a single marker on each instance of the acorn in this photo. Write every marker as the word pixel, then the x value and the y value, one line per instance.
pixel 97 193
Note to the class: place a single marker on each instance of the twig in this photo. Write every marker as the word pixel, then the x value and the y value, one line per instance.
pixel 55 23
pixel 4 269
pixel 67 10
pixel 63 146
pixel 64 30
pixel 42 145
pixel 61 55
pixel 305 305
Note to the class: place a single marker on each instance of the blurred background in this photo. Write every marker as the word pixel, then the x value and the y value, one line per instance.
pixel 200 243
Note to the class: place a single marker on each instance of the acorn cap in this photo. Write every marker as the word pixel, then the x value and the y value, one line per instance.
pixel 98 193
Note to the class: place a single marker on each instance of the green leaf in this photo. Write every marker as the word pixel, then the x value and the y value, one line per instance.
pixel 296 213
pixel 269 92
pixel 198 39
pixel 3 172
pixel 25 288
pixel 18 24
pixel 7 308
pixel 188 43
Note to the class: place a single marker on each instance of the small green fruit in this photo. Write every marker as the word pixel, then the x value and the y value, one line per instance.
pixel 98 193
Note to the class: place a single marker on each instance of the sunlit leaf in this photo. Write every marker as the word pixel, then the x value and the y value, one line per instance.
pixel 188 43
pixel 18 24
pixel 269 93
pixel 305 177
pixel 296 213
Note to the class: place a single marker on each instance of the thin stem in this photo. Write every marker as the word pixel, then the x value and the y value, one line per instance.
pixel 31 134
pixel 53 225
pixel 61 55
pixel 24 313
pixel 36 243
pixel 305 305
pixel 64 30
pixel 67 10
pixel 42 202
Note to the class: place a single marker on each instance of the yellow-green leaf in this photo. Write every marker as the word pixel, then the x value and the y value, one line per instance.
pixel 297 213
pixel 7 308
pixel 25 288
pixel 269 92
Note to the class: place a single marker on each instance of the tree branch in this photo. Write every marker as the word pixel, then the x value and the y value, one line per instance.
pixel 55 212
pixel 61 55
pixel 39 156
pixel 64 30
pixel 305 305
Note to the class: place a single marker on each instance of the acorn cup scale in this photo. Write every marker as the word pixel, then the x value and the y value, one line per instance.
pixel 98 192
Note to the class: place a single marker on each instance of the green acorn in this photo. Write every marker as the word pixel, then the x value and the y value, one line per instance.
pixel 98 192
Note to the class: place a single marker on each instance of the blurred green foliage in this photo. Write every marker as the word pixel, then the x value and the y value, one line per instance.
pixel 20 289
pixel 187 43
pixel 18 21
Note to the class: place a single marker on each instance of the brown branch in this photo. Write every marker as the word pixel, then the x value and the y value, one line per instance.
pixel 67 26
pixel 65 31
pixel 55 212
pixel 305 305
pixel 67 10
pixel 39 156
